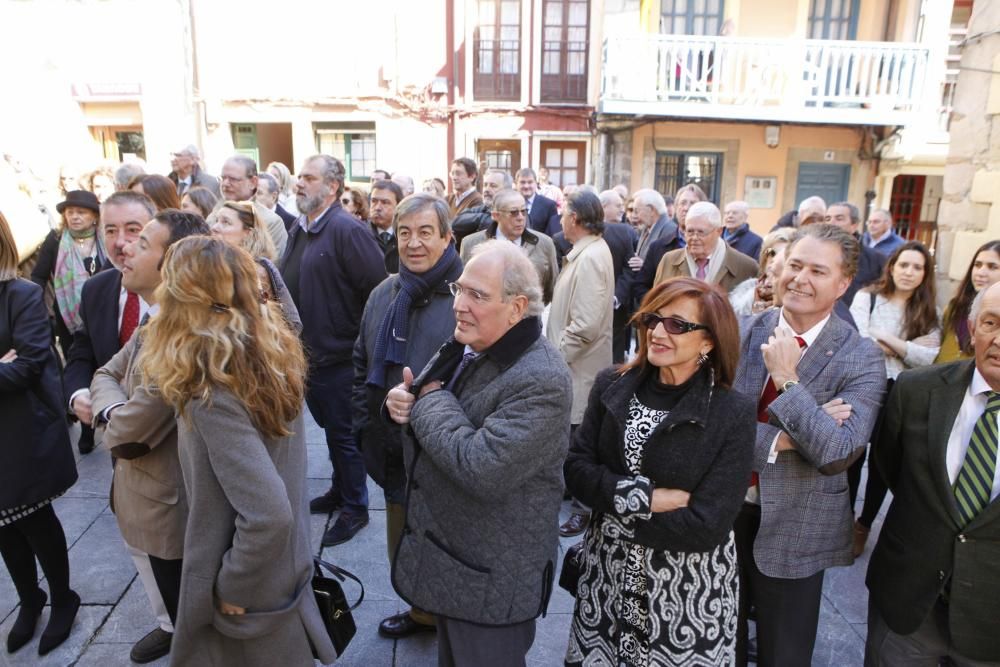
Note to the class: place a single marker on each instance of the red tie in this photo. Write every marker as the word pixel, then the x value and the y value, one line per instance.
pixel 770 393
pixel 130 318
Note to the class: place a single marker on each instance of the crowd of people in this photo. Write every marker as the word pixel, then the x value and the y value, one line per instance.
pixel 704 395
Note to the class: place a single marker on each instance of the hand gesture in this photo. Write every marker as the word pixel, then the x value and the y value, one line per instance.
pixel 9 357
pixel 399 400
pixel 838 410
pixel 781 357
pixel 83 408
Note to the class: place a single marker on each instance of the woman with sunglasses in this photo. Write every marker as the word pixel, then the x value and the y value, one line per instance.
pixel 663 457
pixel 355 202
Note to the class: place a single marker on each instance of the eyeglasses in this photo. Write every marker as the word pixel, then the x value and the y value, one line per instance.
pixel 698 233
pixel 672 325
pixel 516 212
pixel 477 296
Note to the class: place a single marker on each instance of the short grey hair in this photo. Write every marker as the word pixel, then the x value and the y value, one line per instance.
pixel 405 182
pixel 191 151
pixel 884 211
pixel 419 202
pixel 811 202
pixel 269 182
pixel 587 187
pixel 610 197
pixel 508 182
pixel 332 172
pixel 125 173
pixel 650 197
pixel 508 194
pixel 705 210
pixel 520 277
pixel 248 164
pixel 129 198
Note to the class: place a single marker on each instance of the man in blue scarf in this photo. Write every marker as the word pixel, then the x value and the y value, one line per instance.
pixel 407 318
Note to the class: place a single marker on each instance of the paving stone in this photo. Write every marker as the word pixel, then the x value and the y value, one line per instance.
pixel 420 650
pixel 77 514
pixel 837 644
pixel 365 556
pixel 368 648
pixel 94 471
pixel 100 567
pixel 319 462
pixel 131 619
pixel 88 619
pixel 551 638
pixel 105 655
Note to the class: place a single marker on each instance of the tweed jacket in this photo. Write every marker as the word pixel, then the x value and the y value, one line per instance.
pixel 474 198
pixel 432 321
pixel 484 468
pixel 247 543
pixel 736 267
pixel 147 490
pixel 704 446
pixel 923 550
pixel 537 246
pixel 581 318
pixel 806 520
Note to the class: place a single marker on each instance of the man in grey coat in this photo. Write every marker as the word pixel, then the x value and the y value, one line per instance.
pixel 488 433
pixel 416 303
pixel 797 519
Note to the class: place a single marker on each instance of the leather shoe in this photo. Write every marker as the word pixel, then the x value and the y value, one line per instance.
pixel 402 625
pixel 575 525
pixel 347 526
pixel 152 647
pixel 327 503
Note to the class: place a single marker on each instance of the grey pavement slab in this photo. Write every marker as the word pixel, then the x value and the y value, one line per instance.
pixel 131 619
pixel 88 620
pixel 106 655
pixel 100 567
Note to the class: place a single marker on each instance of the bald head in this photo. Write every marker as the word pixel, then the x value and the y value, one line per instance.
pixel 613 205
pixel 737 214
pixel 812 209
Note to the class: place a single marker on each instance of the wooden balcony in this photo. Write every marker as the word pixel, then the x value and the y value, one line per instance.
pixel 801 81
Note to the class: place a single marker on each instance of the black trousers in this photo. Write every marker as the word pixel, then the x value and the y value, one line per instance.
pixel 167 574
pixel 787 610
pixel 621 334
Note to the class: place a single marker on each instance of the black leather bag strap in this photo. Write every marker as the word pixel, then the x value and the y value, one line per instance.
pixel 342 574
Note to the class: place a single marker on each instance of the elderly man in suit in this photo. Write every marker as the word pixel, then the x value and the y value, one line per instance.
pixel 478 218
pixel 239 183
pixel 109 312
pixel 542 214
pixel 147 490
pixel 797 520
pixel 509 218
pixel 488 433
pixel 706 256
pixel 737 231
pixel 933 581
pixel 881 237
pixel 652 253
pixel 186 173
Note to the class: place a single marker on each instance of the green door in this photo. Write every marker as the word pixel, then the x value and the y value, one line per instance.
pixel 245 141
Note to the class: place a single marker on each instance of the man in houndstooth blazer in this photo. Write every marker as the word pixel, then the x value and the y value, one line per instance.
pixel 797 519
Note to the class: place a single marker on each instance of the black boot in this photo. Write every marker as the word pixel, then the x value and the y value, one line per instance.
pixel 60 623
pixel 27 618
pixel 86 442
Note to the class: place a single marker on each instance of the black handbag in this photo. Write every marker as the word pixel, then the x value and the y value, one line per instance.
pixel 572 568
pixel 332 602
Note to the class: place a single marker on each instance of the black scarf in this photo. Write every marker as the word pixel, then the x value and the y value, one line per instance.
pixel 390 343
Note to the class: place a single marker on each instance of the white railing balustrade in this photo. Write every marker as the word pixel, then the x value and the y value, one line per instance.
pixel 819 81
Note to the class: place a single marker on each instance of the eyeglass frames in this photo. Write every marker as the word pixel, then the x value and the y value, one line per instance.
pixel 672 325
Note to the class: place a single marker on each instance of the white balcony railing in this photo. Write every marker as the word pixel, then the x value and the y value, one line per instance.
pixel 810 81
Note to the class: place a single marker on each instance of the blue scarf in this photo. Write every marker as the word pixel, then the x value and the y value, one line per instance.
pixel 390 343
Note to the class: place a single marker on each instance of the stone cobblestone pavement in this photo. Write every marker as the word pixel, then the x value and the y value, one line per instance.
pixel 115 613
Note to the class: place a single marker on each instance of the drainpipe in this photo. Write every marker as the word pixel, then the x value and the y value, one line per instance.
pixel 451 63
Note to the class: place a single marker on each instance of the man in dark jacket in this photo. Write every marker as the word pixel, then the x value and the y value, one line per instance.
pixel 542 214
pixel 490 431
pixel 933 586
pixel 331 265
pixel 418 302
pixel 186 173
pixel 109 313
pixel 383 200
pixel 870 264
pixel 480 217
pixel 736 230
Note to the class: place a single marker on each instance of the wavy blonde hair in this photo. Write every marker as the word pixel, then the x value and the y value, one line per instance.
pixel 213 331
pixel 258 241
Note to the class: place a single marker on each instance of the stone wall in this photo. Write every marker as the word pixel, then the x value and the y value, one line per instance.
pixel 970 207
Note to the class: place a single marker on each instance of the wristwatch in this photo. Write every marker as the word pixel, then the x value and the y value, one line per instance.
pixel 786 385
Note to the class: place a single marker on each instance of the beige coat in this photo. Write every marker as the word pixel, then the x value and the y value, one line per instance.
pixel 147 490
pixel 580 319
pixel 736 267
pixel 537 246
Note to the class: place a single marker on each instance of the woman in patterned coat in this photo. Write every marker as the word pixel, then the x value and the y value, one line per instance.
pixel 663 457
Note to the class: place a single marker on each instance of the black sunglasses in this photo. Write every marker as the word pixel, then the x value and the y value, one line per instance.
pixel 672 325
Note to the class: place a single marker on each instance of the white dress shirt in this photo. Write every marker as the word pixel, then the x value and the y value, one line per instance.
pixel 973 406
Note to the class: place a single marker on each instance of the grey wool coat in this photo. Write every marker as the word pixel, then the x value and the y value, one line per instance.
pixel 484 463
pixel 247 543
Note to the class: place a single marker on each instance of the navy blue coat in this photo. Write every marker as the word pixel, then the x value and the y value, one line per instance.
pixel 745 241
pixel 544 217
pixel 341 264
pixel 36 460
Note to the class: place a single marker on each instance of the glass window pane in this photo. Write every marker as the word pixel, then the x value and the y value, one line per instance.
pixel 510 35
pixel 578 13
pixel 698 26
pixel 552 157
pixel 508 62
pixel 576 35
pixel 487 12
pixel 485 64
pixel 550 64
pixel 553 13
pixel 570 156
pixel 576 63
pixel 699 7
pixel 510 12
pixel 552 36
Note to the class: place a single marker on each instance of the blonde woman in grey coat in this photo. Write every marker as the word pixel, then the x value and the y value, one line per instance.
pixel 237 385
